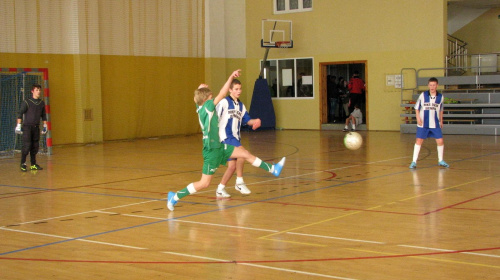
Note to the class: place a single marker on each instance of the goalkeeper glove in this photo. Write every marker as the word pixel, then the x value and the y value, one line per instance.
pixel 44 129
pixel 18 129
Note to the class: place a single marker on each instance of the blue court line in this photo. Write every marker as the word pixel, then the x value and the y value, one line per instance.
pixel 216 210
pixel 78 192
pixel 166 220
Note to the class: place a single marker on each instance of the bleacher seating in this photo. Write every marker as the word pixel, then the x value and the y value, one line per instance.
pixel 466 111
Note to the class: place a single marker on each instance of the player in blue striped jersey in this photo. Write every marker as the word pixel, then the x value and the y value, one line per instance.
pixel 232 114
pixel 214 152
pixel 429 113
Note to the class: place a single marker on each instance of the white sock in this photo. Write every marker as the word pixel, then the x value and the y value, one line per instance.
pixel 440 152
pixel 257 162
pixel 416 151
pixel 191 188
pixel 220 187
pixel 346 127
pixel 353 126
pixel 239 180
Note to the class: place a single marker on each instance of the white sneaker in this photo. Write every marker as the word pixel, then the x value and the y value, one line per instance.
pixel 242 188
pixel 222 193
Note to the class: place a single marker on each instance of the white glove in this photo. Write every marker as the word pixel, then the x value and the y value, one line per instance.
pixel 18 129
pixel 44 129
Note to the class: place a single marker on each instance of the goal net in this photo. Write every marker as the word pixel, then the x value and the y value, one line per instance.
pixel 15 86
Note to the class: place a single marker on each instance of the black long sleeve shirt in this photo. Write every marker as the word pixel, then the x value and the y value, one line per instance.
pixel 33 110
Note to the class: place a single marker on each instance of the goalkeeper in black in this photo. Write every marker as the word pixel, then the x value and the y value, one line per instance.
pixel 33 110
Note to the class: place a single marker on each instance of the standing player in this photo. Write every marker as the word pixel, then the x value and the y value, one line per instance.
pixel 357 88
pixel 214 152
pixel 232 114
pixel 33 109
pixel 429 113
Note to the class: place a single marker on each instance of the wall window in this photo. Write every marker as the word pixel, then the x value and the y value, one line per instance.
pixel 290 78
pixel 292 6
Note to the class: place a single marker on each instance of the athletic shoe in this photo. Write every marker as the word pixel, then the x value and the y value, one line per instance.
pixel 413 165
pixel 278 166
pixel 443 164
pixel 171 202
pixel 242 188
pixel 23 167
pixel 36 167
pixel 222 193
pixel 353 129
pixel 345 130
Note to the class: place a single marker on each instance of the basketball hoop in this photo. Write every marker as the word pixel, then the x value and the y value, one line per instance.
pixel 282 44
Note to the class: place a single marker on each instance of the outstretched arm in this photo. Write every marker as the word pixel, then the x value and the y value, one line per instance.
pixel 225 88
pixel 255 123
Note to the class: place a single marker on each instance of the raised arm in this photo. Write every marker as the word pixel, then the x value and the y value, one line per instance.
pixel 225 88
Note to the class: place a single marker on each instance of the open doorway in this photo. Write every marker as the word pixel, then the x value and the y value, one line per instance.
pixel 340 70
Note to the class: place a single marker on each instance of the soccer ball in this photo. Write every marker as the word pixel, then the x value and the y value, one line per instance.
pixel 353 140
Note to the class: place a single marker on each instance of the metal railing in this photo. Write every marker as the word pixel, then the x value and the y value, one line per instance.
pixel 457 52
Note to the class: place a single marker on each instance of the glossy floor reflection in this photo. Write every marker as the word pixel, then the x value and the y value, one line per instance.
pixel 99 211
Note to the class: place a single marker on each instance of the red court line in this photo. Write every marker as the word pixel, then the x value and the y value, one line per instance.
pixel 463 202
pixel 475 209
pixel 255 261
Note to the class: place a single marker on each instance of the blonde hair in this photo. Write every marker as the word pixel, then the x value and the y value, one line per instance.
pixel 201 95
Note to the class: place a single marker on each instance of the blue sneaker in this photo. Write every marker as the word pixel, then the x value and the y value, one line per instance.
pixel 413 165
pixel 443 164
pixel 278 166
pixel 171 202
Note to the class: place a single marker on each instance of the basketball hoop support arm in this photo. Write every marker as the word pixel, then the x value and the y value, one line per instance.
pixel 263 63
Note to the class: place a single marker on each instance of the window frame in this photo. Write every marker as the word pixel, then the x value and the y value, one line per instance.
pixel 287 9
pixel 295 74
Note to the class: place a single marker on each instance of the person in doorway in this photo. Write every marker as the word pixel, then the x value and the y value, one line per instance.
pixel 333 95
pixel 356 118
pixel 357 89
pixel 344 98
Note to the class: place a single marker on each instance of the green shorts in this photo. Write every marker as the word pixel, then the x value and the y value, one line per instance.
pixel 213 158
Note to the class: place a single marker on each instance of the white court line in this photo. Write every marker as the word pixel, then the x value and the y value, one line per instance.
pixel 304 234
pixel 219 225
pixel 192 222
pixel 65 237
pixel 262 266
pixel 445 250
pixel 339 238
pixel 81 213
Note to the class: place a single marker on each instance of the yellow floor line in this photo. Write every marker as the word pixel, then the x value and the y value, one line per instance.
pixel 456 186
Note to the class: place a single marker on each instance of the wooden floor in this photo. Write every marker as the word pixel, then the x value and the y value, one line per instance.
pixel 99 211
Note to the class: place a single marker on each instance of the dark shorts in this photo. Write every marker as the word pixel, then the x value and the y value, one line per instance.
pixel 424 133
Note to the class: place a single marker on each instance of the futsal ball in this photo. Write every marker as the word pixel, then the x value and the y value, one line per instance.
pixel 353 140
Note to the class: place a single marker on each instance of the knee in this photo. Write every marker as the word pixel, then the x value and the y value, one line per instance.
pixel 231 167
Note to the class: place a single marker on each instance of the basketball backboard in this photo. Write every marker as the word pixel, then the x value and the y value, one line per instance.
pixel 276 33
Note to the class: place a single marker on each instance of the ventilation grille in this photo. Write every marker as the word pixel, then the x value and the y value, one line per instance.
pixel 87 115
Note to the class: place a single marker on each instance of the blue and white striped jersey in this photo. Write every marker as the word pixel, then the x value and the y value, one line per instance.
pixel 232 114
pixel 429 107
